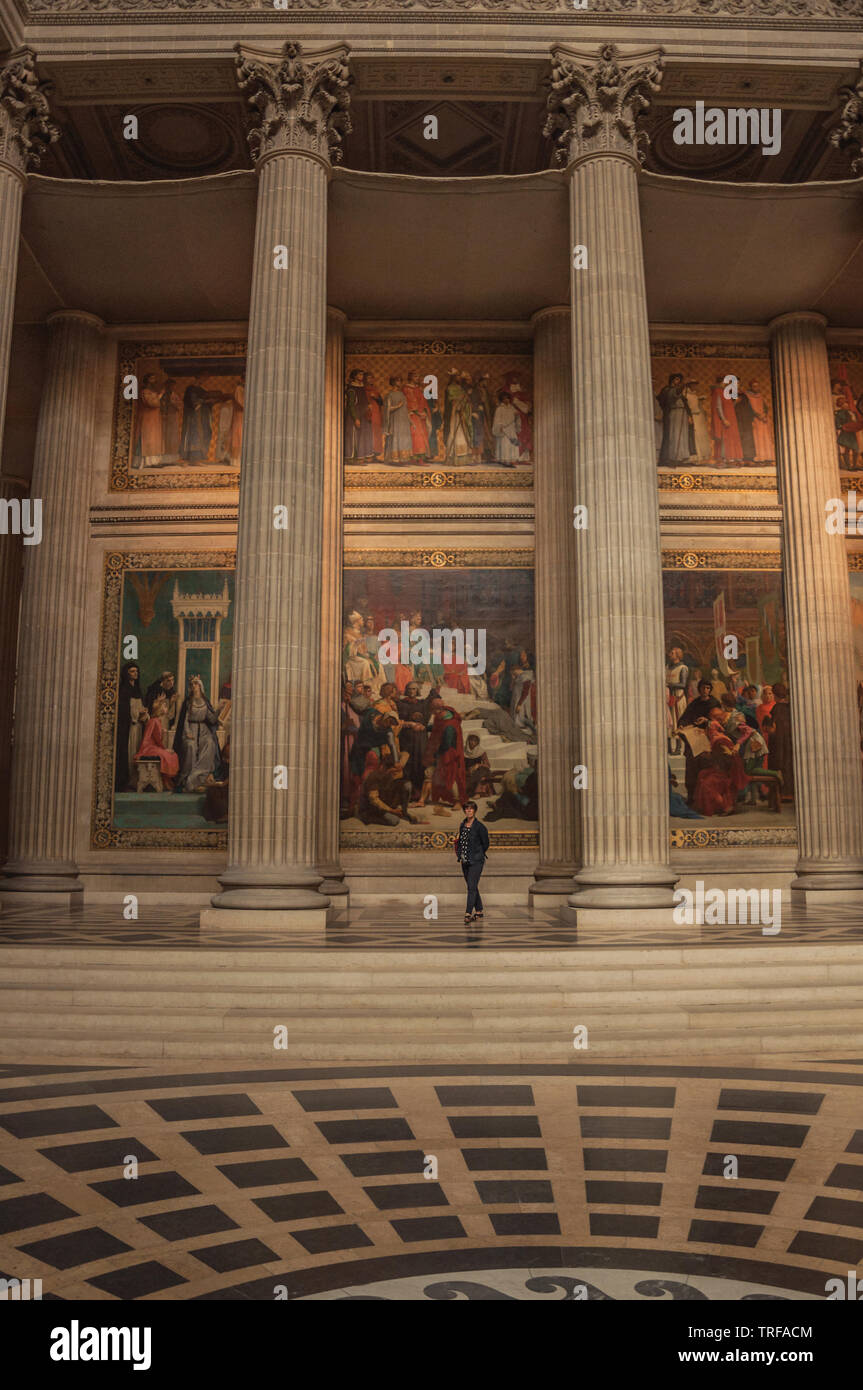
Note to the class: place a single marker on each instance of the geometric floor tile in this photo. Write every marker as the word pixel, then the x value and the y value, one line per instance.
pixel 428 1182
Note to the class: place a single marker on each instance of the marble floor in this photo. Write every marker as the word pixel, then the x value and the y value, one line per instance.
pixel 413 1182
pixel 398 927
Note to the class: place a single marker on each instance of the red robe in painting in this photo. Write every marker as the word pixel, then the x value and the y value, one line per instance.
pixel 448 764
pixel 419 415
pixel 153 746
pixel 718 783
pixel 727 447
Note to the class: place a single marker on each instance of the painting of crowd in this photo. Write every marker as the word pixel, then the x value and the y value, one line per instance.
pixel 712 415
pixel 848 419
pixel 727 717
pixel 430 413
pixel 189 412
pixel 417 740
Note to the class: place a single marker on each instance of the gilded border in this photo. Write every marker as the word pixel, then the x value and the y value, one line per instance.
pixel 721 560
pixel 436 479
pixel 103 833
pixel 439 558
pixel 433 839
pixel 725 839
pixel 123 477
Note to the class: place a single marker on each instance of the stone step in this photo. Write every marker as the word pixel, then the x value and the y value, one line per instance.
pixel 436 960
pixel 468 1016
pixel 348 992
pixel 97 1045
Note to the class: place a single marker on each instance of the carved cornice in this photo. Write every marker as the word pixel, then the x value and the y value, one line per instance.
pixel 595 102
pixel 299 104
pixel 692 11
pixel 848 135
pixel 26 129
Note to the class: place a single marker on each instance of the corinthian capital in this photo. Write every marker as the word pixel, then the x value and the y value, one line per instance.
pixel 298 104
pixel 594 103
pixel 848 134
pixel 26 129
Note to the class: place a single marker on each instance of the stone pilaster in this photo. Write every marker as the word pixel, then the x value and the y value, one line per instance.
pixel 594 105
pixel 25 130
pixel 12 491
pixel 329 763
pixel 46 754
pixel 554 568
pixel 301 111
pixel 827 790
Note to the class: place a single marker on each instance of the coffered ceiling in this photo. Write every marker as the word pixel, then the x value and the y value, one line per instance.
pixel 191 119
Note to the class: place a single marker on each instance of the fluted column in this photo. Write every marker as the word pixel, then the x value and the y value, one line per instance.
pixel 827 789
pixel 11 556
pixel 25 130
pixel 271 876
pixel 554 569
pixel 329 764
pixel 594 104
pixel 46 755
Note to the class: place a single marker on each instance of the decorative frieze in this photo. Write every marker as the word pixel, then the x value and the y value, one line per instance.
pixel 696 13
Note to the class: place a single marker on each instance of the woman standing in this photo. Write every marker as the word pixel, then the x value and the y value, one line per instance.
pixel 471 848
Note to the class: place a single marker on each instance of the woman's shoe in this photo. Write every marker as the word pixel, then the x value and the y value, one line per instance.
pixel 469 917
pixel 478 916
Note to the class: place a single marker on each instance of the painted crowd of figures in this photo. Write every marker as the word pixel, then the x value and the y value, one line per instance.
pixel 735 737
pixel 713 430
pixel 200 426
pixel 403 746
pixel 848 418
pixel 468 423
pixel 165 744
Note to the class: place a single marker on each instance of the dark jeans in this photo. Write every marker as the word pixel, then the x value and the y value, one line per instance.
pixel 471 877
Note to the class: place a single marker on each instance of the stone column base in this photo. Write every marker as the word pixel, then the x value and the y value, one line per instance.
pixel 63 899
pixel 823 895
pixel 27 883
pixel 266 919
pixel 634 917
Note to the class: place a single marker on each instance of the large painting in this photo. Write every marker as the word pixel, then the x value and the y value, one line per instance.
pixel 846 386
pixel 713 417
pixel 179 416
pixel 727 704
pixel 439 704
pixel 164 725
pixel 437 414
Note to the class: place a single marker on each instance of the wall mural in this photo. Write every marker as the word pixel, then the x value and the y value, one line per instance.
pixel 438 414
pixel 439 703
pixel 855 561
pixel 712 433
pixel 846 385
pixel 727 717
pixel 163 737
pixel 185 429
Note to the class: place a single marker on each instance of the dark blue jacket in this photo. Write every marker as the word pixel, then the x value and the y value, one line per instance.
pixel 477 844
